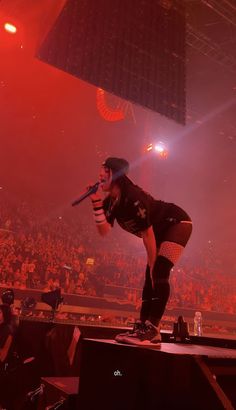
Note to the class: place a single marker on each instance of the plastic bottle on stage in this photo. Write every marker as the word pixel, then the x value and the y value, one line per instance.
pixel 197 324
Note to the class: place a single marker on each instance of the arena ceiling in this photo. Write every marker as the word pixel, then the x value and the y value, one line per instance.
pixel 53 136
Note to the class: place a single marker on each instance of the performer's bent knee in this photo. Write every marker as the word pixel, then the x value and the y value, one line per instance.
pixel 171 251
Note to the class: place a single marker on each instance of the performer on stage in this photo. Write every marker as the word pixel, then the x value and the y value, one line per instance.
pixel 165 230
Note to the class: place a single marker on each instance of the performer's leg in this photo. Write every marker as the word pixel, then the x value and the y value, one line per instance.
pixel 161 291
pixel 146 297
pixel 171 249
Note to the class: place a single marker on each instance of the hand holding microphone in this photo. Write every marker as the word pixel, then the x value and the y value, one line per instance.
pixel 95 195
pixel 97 205
pixel 91 192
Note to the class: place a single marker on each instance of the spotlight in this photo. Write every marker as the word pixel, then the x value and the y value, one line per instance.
pixel 158 148
pixel 161 150
pixel 10 28
pixel 149 148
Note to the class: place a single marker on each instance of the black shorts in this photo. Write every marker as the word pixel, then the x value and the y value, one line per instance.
pixel 173 215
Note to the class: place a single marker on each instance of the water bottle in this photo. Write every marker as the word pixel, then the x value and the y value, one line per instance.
pixel 197 324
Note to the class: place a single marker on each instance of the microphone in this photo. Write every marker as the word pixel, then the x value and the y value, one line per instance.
pixel 90 191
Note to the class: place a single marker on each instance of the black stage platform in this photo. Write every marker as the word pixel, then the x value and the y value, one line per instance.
pixel 196 375
pixel 173 376
pixel 179 348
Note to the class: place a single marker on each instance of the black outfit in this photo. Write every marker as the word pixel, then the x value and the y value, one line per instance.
pixel 135 212
pixel 5 331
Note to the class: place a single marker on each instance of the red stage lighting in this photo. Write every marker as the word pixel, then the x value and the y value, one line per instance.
pixel 149 148
pixel 10 28
pixel 106 112
pixel 159 148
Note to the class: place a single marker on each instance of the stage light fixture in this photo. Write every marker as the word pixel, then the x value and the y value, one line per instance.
pixel 149 148
pixel 10 28
pixel 159 148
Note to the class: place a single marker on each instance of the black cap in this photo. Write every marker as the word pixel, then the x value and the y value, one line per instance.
pixel 119 166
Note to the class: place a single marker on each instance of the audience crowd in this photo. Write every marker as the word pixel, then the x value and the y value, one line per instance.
pixel 63 250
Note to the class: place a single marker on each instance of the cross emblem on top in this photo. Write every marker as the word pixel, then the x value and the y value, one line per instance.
pixel 142 212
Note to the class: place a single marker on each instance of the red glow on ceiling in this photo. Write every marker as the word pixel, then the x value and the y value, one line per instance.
pixel 106 112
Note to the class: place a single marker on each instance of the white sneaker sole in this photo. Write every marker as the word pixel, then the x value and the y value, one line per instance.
pixel 137 342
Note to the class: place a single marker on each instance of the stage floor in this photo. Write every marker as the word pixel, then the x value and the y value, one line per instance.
pixel 181 349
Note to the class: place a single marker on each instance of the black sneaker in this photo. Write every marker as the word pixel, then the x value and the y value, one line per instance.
pixel 138 325
pixel 147 334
